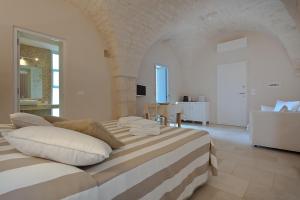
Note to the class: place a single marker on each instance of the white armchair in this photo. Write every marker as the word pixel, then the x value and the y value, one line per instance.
pixel 275 129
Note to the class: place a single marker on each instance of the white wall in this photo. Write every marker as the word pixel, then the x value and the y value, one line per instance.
pixel 195 73
pixel 159 53
pixel 268 63
pixel 85 68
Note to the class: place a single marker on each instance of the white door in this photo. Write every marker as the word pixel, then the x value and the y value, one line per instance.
pixel 232 94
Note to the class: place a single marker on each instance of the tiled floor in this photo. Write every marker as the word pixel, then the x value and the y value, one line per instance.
pixel 247 172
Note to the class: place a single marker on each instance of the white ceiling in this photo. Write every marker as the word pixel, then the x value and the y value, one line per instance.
pixel 130 27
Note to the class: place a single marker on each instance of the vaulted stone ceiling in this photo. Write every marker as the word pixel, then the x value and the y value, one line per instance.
pixel 130 27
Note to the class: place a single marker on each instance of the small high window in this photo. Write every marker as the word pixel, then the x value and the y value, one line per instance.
pixel 162 84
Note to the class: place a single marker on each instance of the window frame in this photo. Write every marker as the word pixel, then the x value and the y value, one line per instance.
pixel 53 86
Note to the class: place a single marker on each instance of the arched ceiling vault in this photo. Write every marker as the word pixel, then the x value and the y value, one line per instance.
pixel 130 27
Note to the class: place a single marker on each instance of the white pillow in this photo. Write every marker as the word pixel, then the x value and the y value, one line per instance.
pixel 58 144
pixel 291 105
pixel 20 120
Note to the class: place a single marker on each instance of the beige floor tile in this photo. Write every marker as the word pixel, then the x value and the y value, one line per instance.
pixel 253 174
pixel 229 183
pixel 225 196
pixel 247 172
pixel 208 192
pixel 233 156
pixel 259 192
pixel 227 166
pixel 205 192
pixel 291 172
pixel 224 154
pixel 284 170
pixel 264 154
pixel 244 160
pixel 224 146
pixel 287 185
pixel 298 171
pixel 291 162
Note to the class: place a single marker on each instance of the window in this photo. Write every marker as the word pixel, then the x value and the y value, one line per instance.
pixel 162 84
pixel 55 83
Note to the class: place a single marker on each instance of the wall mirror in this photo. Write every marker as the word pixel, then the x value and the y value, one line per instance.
pixel 38 73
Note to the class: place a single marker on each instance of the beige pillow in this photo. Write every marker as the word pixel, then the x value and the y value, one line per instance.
pixel 91 128
pixel 53 119
pixel 58 144
pixel 20 120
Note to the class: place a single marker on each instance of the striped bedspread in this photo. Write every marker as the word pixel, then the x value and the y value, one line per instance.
pixel 25 177
pixel 168 166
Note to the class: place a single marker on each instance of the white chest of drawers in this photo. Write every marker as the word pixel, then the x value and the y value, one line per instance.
pixel 195 111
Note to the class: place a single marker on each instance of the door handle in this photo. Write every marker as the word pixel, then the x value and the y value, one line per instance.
pixel 242 93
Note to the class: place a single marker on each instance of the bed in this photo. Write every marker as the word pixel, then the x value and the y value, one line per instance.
pixel 168 166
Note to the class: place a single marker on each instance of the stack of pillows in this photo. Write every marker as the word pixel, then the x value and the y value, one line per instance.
pixel 283 106
pixel 73 142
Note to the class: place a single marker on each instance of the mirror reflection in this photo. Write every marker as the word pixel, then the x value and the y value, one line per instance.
pixel 38 75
